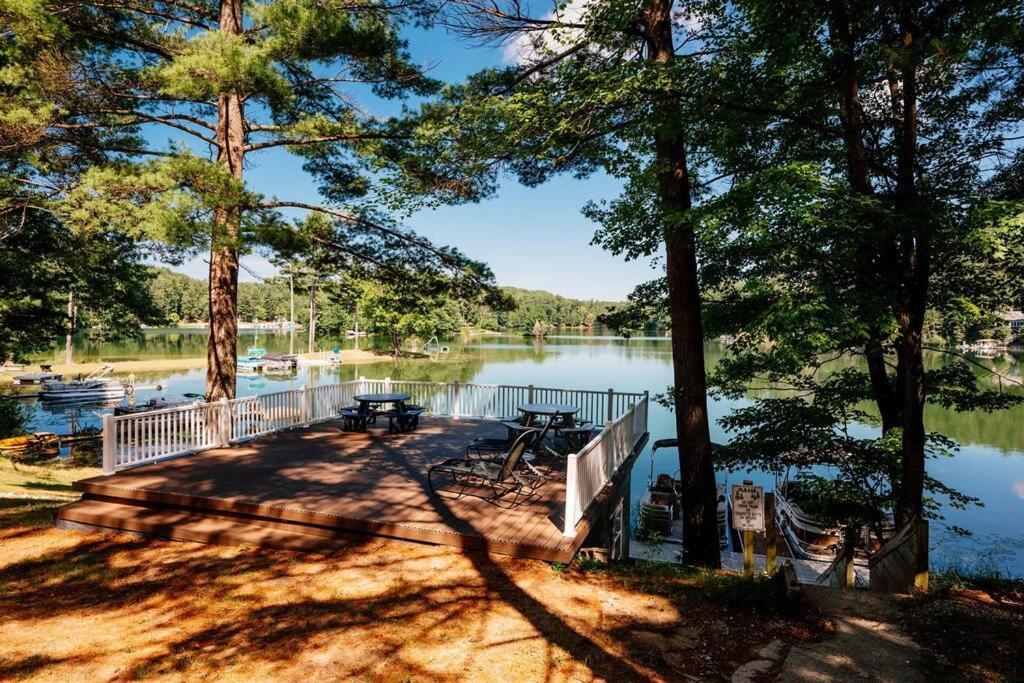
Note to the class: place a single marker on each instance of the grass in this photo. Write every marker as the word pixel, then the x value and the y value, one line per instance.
pixel 51 478
pixel 83 606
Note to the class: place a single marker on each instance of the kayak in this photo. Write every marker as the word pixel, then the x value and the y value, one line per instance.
pixel 25 442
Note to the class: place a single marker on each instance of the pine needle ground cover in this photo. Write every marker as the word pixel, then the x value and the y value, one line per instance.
pixel 77 606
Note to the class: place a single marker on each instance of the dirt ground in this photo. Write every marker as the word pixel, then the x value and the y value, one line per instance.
pixel 76 606
pixel 973 632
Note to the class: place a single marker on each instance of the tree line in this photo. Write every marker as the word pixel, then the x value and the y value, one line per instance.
pixel 179 298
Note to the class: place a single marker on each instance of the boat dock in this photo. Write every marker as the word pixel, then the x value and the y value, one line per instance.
pixel 807 571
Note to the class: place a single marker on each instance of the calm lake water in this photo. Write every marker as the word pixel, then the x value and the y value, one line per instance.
pixel 990 464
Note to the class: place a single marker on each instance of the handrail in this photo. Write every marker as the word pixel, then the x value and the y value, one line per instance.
pixel 141 438
pixel 590 470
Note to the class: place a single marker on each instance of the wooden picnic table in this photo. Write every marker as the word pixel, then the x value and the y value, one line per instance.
pixel 365 401
pixel 532 410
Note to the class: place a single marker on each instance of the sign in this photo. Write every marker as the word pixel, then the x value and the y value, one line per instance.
pixel 748 507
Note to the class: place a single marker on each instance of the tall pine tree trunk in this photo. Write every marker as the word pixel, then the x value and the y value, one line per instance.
pixel 221 351
pixel 700 497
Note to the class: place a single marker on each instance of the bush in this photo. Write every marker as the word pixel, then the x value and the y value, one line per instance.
pixel 13 417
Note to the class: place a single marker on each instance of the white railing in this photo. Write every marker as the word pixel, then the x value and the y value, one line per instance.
pixel 130 440
pixel 459 400
pixel 590 470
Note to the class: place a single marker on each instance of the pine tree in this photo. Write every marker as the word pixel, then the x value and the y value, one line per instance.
pixel 104 81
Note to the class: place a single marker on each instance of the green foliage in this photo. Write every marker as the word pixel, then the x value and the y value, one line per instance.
pixel 180 298
pixel 13 417
pixel 530 306
pixel 91 90
pixel 42 262
pixel 399 312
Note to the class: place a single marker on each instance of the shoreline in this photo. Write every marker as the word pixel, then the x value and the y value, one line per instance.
pixel 121 368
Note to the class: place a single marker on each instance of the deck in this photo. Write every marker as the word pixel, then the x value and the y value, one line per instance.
pixel 313 487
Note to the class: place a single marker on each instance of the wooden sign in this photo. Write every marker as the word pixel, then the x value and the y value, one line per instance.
pixel 748 507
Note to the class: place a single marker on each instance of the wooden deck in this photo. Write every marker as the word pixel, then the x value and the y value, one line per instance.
pixel 311 488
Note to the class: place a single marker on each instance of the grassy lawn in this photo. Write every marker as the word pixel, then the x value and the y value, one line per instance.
pixel 48 479
pixel 76 606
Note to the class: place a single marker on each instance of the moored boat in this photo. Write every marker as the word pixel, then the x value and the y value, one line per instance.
pixel 809 537
pixel 660 511
pixel 96 385
pixel 148 406
pixel 660 507
pixel 279 362
pixel 249 366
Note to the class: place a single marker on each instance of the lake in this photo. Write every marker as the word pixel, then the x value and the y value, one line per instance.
pixel 990 464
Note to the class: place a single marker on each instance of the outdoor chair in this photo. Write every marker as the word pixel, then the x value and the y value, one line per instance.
pixel 496 445
pixel 501 476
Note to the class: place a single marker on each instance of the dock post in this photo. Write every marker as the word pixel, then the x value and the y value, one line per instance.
pixel 748 552
pixel 771 533
pixel 109 444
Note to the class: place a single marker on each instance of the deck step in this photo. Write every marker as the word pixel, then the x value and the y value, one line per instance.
pixel 200 526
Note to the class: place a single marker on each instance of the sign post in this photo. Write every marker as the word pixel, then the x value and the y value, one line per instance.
pixel 748 517
pixel 771 533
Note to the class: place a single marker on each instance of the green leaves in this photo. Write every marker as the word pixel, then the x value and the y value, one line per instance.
pixel 956 386
pixel 216 63
pixel 169 201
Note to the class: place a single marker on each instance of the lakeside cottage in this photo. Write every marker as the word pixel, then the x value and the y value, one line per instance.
pixel 1015 319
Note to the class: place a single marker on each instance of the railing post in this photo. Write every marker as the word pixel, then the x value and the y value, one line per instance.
pixel 456 399
pixel 224 432
pixel 571 495
pixel 387 385
pixel 303 406
pixel 611 408
pixel 647 408
pixel 109 444
pixel 529 394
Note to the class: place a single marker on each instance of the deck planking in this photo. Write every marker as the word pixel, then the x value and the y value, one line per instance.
pixel 320 480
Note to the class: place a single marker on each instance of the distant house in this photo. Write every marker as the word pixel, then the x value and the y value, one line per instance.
pixel 1015 319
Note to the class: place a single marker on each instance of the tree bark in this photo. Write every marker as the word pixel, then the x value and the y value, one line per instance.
pixel 916 249
pixel 700 496
pixel 221 351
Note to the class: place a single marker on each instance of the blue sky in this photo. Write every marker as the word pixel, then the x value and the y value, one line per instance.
pixel 532 237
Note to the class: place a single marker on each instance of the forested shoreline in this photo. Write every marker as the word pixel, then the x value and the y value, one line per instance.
pixel 179 298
